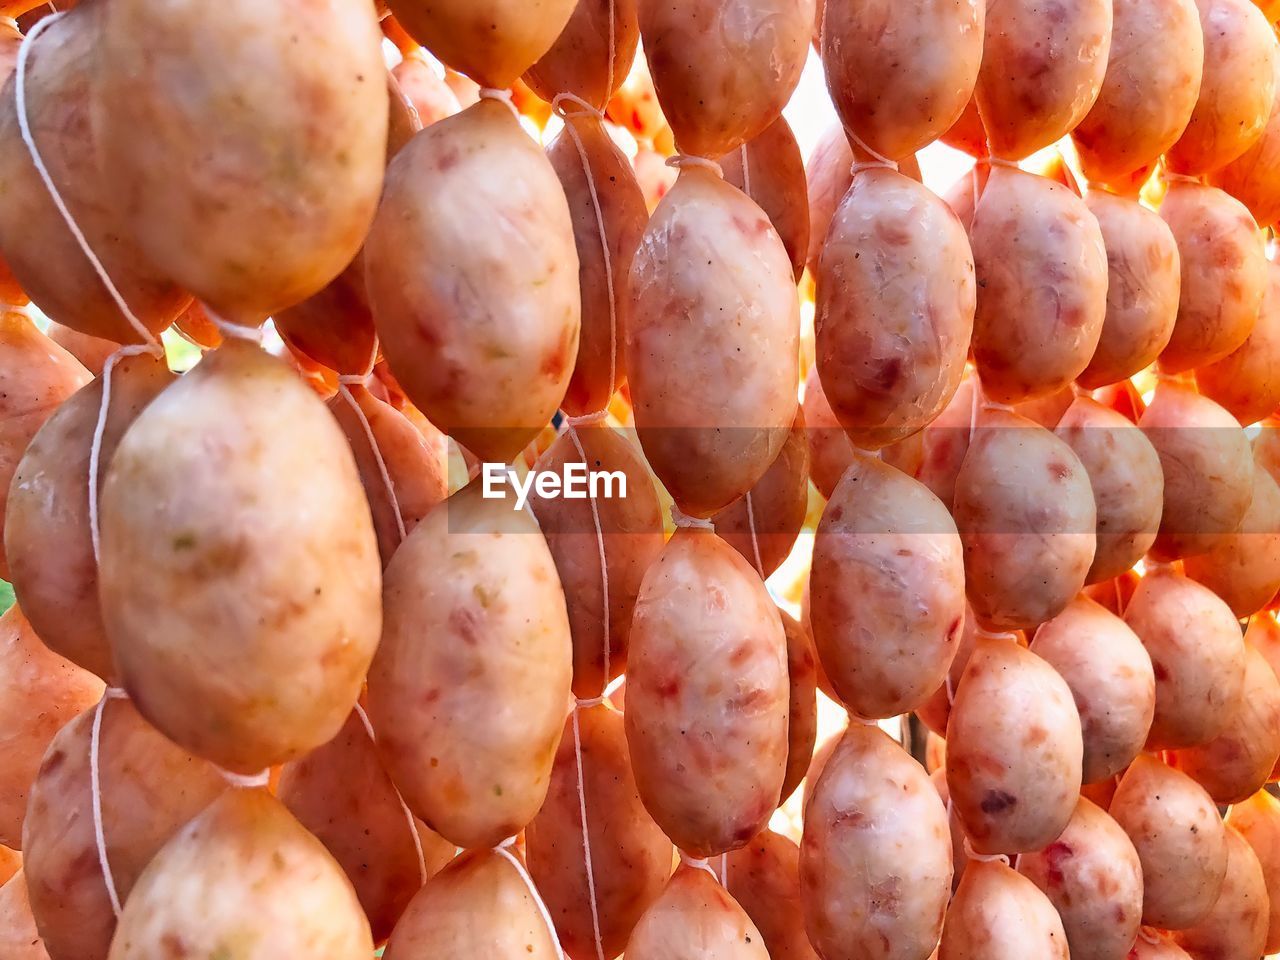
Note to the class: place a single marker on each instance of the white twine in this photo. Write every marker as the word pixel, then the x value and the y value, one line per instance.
pixel 585 704
pixel 613 688
pixel 149 342
pixel 557 105
pixel 683 521
pixel 344 383
pixel 1150 936
pixel 987 402
pixel 990 161
pixel 973 411
pixel 984 857
pixel 724 870
pixel 697 864
pixel 1073 184
pixel 503 850
pixel 191 340
pixel 586 835
pixel 681 160
pixel 95 795
pixel 746 170
pixel 99 429
pixel 604 566
pixel 986 634
pixel 755 544
pixel 613 53
pixel 234 331
pixel 24 127
pixel 408 814
pixel 587 418
pixel 861 165
pixel 880 159
pixel 1168 176
pixel 502 96
pixel 246 781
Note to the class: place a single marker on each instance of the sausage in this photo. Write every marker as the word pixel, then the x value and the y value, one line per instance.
pixel 1111 680
pixel 724 69
pixel 479 905
pixel 149 790
pixel 875 861
pixel 1092 876
pixel 894 308
pixel 1026 515
pixel 886 590
pixel 709 754
pixel 998 914
pixel 1197 655
pixel 48 543
pixel 1127 482
pixel 1180 840
pixel 243 871
pixel 472 257
pixel 476 576
pixel 1014 749
pixel 700 322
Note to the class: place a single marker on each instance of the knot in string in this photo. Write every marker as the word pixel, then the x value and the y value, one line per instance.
pixel 1169 176
pixel 683 521
pixel 993 161
pixel 986 634
pixel 682 160
pixel 154 349
pixel 697 864
pixel 984 857
pixel 242 781
pixel 502 96
pixel 585 109
pixel 861 165
pixel 878 159
pixel 345 381
pixel 234 331
pixel 587 419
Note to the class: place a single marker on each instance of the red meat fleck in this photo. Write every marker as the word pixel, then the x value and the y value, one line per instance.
pixel 998 801
pixel 1055 855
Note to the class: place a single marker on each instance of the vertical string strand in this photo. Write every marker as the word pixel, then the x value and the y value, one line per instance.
pixel 344 383
pixel 558 106
pixel 408 814
pixel 586 836
pixel 95 796
pixel 503 850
